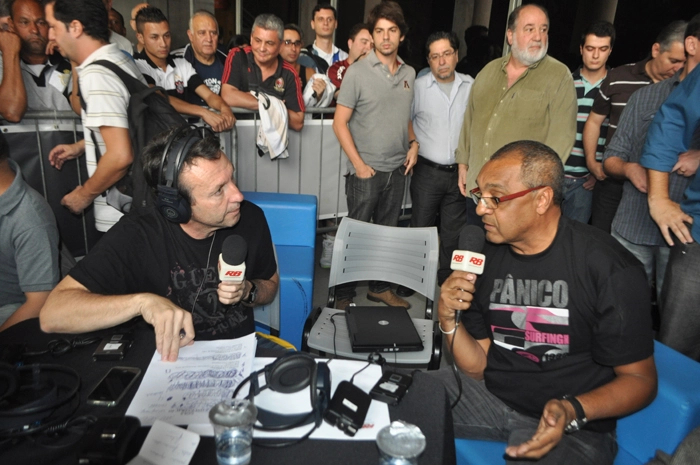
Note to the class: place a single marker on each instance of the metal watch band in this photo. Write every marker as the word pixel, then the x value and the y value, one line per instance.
pixel 580 419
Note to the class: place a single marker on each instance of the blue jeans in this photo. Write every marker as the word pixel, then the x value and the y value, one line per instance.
pixel 577 200
pixel 680 312
pixel 376 199
pixel 654 258
pixel 481 415
pixel 433 191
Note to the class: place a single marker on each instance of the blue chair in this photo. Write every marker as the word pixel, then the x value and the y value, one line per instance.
pixel 661 425
pixel 292 222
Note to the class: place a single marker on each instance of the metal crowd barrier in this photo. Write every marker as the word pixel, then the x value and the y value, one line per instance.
pixel 316 165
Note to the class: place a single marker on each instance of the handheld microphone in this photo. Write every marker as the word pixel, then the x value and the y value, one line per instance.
pixel 468 257
pixel 232 259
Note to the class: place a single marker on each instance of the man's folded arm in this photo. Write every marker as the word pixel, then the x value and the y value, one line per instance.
pixel 236 98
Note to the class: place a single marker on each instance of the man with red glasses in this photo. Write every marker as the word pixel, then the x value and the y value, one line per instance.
pixel 553 341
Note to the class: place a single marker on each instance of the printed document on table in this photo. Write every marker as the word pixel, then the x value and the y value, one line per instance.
pixel 183 392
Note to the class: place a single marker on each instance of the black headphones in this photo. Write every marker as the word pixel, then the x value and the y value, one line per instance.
pixel 169 200
pixel 36 397
pixel 288 374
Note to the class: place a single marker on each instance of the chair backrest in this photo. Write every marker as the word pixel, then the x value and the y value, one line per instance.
pixel 367 251
pixel 269 314
pixel 290 217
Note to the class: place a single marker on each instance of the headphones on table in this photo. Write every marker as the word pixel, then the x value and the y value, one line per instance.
pixel 288 374
pixel 169 199
pixel 36 397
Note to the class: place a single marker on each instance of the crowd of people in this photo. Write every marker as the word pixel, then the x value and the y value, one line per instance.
pixel 555 338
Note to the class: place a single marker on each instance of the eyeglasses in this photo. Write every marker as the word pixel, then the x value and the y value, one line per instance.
pixel 447 54
pixel 492 202
pixel 296 43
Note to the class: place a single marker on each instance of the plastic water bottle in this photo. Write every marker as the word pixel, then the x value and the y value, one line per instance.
pixel 400 443
pixel 233 448
pixel 233 430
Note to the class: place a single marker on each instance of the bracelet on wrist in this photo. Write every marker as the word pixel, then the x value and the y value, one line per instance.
pixel 452 331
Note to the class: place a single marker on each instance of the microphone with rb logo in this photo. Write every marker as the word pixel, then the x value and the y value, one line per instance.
pixel 232 259
pixel 467 257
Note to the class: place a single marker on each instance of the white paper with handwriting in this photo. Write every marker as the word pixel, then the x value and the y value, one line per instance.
pixel 167 445
pixel 183 392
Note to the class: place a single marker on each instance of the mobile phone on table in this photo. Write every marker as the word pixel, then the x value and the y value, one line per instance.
pixel 112 388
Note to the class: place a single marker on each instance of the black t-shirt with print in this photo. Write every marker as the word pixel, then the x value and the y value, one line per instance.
pixel 147 253
pixel 560 320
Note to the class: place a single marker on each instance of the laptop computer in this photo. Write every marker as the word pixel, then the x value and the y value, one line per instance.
pixel 382 329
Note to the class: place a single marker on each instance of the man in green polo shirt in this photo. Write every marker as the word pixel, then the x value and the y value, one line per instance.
pixel 524 95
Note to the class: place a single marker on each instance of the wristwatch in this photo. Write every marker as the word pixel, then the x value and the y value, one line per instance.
pixel 251 295
pixel 580 420
pixel 412 141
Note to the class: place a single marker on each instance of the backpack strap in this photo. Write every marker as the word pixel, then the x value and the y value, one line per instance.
pixel 132 85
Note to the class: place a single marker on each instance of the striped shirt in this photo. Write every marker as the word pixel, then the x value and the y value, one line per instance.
pixel 632 220
pixel 179 79
pixel 616 89
pixel 107 99
pixel 586 93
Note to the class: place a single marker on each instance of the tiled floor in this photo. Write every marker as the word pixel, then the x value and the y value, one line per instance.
pixel 320 298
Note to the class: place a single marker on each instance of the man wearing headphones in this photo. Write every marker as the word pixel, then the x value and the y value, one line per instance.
pixel 162 265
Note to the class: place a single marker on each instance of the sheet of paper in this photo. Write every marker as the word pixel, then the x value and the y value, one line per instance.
pixel 183 392
pixel 341 370
pixel 166 445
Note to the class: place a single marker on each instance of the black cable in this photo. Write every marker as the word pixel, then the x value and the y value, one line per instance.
pixel 352 378
pixel 78 425
pixel 277 445
pixel 335 352
pixel 454 363
pixel 57 347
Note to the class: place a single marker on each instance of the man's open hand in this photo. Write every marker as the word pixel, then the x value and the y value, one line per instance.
pixel 556 415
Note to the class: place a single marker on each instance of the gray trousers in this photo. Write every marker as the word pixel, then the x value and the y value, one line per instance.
pixel 481 415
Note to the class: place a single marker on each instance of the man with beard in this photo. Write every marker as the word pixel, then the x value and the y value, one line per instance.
pixel 524 95
pixel 47 79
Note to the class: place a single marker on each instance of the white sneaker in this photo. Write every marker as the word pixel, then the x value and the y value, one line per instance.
pixel 327 254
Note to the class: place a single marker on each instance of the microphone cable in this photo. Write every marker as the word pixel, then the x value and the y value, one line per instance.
pixel 455 370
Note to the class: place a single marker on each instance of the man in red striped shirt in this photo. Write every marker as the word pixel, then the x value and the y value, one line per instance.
pixel 259 67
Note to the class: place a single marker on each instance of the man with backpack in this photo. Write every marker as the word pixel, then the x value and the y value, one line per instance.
pixel 80 29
